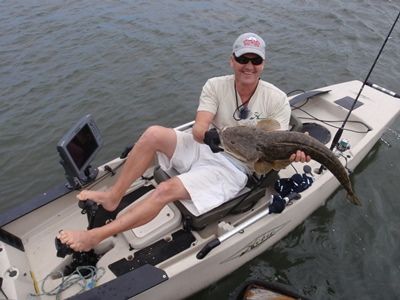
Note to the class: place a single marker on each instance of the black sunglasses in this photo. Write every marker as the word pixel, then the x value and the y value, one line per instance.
pixel 245 60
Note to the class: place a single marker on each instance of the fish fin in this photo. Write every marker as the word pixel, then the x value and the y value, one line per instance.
pixel 353 199
pixel 268 125
pixel 280 164
pixel 262 167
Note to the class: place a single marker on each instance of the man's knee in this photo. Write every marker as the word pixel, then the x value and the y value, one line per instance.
pixel 169 191
pixel 153 133
pixel 158 136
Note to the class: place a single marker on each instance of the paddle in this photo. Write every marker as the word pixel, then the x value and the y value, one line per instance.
pixel 277 206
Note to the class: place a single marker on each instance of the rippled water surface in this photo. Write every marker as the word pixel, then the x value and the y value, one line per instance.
pixel 136 63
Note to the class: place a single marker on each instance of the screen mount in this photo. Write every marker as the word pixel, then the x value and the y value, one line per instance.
pixel 77 149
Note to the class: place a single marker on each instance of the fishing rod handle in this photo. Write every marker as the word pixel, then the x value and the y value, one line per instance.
pixel 207 248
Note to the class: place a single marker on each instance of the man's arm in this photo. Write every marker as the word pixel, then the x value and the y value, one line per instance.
pixel 202 124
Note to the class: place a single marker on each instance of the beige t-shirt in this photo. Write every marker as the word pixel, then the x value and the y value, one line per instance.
pixel 267 102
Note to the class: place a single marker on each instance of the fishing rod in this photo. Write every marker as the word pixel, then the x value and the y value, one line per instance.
pixel 339 133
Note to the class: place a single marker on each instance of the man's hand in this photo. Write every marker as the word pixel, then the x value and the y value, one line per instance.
pixel 299 156
pixel 211 138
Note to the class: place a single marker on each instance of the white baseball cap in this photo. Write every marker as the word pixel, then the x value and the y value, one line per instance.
pixel 249 43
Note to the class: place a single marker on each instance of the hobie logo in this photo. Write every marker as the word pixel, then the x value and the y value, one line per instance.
pixel 257 242
pixel 251 42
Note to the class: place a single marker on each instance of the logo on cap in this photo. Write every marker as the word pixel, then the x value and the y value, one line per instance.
pixel 251 42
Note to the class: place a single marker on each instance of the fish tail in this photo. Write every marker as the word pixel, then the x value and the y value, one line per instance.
pixel 353 199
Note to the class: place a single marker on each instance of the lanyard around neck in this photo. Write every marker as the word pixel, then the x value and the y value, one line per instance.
pixel 240 108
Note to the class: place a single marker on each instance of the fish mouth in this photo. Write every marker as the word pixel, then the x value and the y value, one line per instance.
pixel 232 153
pixel 236 155
pixel 230 148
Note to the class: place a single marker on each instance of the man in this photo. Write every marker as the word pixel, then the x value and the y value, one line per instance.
pixel 208 176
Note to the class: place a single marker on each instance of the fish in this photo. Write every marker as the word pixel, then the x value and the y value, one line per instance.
pixel 264 148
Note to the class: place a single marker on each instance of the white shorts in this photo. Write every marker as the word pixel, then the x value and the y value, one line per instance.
pixel 210 178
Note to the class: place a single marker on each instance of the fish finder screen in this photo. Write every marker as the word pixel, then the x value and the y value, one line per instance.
pixel 82 146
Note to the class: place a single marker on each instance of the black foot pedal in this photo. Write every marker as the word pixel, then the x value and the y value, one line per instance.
pixel 62 249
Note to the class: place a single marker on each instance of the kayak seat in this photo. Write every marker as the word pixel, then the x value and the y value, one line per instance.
pixel 253 191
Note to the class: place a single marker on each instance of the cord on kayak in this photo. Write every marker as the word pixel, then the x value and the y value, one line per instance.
pixel 86 282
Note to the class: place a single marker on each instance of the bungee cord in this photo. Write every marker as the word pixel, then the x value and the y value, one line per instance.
pixel 86 282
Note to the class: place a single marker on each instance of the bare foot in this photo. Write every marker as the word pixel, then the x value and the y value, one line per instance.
pixel 106 198
pixel 79 240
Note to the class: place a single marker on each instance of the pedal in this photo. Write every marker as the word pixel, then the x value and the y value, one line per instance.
pixel 62 249
pixel 81 259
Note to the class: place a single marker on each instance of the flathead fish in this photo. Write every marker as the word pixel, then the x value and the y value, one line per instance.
pixel 264 150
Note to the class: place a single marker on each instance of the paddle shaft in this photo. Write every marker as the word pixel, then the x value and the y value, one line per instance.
pixel 216 242
pixel 339 133
pixel 271 209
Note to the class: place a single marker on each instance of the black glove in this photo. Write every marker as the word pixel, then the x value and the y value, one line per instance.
pixel 211 138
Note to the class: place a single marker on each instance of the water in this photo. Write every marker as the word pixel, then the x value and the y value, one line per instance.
pixel 136 63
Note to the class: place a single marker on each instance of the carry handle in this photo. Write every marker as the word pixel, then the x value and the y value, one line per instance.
pixel 207 248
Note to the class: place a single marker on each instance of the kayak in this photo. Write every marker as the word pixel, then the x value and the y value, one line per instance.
pixel 180 252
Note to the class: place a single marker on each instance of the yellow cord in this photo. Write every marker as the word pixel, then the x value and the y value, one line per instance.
pixel 35 283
